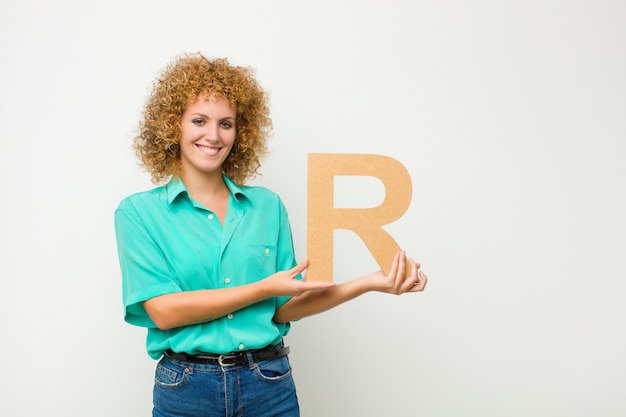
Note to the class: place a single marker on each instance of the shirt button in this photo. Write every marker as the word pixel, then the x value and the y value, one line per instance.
pixel 267 250
pixel 241 346
pixel 227 281
pixel 210 216
pixel 230 316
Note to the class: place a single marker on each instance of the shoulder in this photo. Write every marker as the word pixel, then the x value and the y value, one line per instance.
pixel 261 196
pixel 142 199
pixel 253 191
pixel 263 199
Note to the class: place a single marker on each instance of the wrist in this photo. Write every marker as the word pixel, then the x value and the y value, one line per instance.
pixel 264 288
pixel 366 283
pixel 372 281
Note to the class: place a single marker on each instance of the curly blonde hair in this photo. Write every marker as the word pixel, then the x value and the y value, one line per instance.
pixel 184 80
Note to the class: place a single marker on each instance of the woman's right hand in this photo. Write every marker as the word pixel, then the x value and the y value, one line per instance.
pixel 284 283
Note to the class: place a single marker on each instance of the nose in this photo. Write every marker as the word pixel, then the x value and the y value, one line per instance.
pixel 212 132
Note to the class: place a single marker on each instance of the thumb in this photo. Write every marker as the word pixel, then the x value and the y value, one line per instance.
pixel 298 269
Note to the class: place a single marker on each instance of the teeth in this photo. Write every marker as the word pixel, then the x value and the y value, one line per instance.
pixel 207 150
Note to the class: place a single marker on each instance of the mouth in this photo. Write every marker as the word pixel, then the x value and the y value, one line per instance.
pixel 208 150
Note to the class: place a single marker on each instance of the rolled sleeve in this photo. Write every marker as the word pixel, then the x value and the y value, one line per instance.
pixel 145 273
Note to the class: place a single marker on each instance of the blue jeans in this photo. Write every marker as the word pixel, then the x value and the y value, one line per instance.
pixel 257 389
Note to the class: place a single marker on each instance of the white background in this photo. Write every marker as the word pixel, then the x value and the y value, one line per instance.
pixel 509 116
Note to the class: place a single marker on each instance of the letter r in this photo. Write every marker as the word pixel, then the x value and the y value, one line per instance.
pixel 324 218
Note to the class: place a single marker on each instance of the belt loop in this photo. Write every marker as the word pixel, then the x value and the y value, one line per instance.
pixel 250 359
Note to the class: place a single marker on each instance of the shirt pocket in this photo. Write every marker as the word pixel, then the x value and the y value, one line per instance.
pixel 263 259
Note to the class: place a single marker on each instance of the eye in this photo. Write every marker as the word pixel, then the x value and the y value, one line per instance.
pixel 226 125
pixel 198 122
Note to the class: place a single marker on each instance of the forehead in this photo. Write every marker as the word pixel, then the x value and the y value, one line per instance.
pixel 213 96
pixel 210 102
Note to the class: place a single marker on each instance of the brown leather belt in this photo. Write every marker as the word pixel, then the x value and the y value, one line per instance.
pixel 230 359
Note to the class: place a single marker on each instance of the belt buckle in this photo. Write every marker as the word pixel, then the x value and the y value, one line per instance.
pixel 220 360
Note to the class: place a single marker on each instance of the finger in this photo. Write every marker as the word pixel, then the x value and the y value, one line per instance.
pixel 411 279
pixel 316 285
pixel 400 274
pixel 298 269
pixel 421 284
pixel 414 269
pixel 423 277
pixel 393 270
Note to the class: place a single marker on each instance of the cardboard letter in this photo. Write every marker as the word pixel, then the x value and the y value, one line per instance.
pixel 324 218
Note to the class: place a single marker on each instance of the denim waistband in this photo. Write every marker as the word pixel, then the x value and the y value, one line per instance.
pixel 233 358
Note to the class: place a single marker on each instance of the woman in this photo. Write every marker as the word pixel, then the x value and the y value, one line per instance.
pixel 207 263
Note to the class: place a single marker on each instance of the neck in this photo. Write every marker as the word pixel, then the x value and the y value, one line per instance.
pixel 205 187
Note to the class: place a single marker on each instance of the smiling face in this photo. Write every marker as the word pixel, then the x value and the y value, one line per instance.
pixel 207 135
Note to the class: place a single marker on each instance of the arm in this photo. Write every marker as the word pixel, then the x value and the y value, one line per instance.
pixel 183 308
pixel 394 282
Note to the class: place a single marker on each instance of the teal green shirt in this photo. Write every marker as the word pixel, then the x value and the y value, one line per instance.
pixel 168 243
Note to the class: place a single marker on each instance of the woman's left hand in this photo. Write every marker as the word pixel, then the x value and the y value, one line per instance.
pixel 397 281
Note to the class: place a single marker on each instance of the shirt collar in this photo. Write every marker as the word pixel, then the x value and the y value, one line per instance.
pixel 175 187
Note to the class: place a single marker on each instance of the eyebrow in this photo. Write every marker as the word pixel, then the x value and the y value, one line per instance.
pixel 205 116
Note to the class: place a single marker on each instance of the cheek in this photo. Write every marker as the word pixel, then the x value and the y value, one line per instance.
pixel 182 134
pixel 232 138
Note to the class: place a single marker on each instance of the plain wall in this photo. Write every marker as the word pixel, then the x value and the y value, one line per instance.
pixel 509 116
